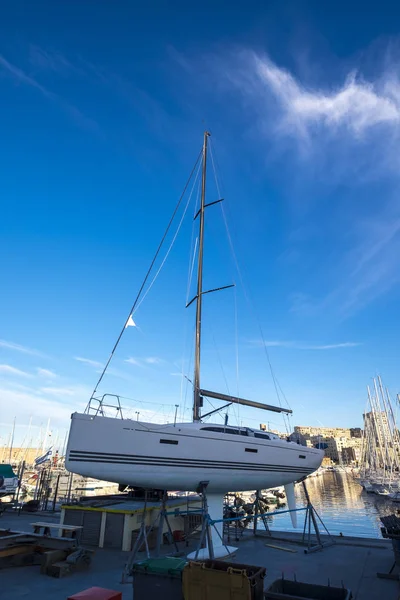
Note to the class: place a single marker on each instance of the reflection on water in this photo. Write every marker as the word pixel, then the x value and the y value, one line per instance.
pixel 342 504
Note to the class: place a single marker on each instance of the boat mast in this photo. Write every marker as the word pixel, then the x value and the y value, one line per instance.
pixel 197 396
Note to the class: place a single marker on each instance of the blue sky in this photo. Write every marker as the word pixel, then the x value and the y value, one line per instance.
pixel 103 106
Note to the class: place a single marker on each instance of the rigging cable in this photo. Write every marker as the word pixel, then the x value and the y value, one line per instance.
pixel 148 272
pixel 170 246
pixel 274 379
pixel 237 351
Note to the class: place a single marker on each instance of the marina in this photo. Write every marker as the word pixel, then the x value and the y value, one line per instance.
pixel 199 387
pixel 122 489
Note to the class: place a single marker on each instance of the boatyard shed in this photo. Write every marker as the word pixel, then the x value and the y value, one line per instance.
pixel 115 523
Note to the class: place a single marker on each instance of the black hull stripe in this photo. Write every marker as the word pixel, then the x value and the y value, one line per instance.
pixel 204 466
pixel 189 463
pixel 75 455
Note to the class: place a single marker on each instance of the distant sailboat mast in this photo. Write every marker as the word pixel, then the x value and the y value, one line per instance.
pixel 12 440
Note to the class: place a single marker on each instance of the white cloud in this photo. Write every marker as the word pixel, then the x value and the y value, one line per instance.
pixel 20 348
pixel 21 77
pixel 368 269
pixel 153 360
pixel 304 346
pixel 134 361
pixel 43 60
pixel 338 132
pixel 9 370
pixel 58 391
pixel 46 373
pixel 88 361
pixel 147 360
pixel 356 105
pixel 23 405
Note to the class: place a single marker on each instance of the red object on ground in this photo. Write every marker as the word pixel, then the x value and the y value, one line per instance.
pixel 96 593
pixel 178 535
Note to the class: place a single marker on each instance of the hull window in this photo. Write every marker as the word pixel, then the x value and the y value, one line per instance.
pixel 229 430
pixel 262 436
pixel 250 450
pixel 175 442
pixel 301 456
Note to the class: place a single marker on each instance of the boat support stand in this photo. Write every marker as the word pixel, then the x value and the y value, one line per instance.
pixel 144 533
pixel 312 517
pixel 211 544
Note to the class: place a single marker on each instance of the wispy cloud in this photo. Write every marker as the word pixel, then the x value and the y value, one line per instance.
pixel 357 105
pixel 58 391
pixel 371 267
pixel 43 60
pixel 46 373
pixel 134 361
pixel 305 111
pixel 24 403
pixel 89 361
pixel 368 269
pixel 142 362
pixel 303 346
pixel 20 76
pixel 9 370
pixel 20 348
pixel 105 82
pixel 334 132
pixel 153 360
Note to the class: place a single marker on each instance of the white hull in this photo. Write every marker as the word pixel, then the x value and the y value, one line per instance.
pixel 169 457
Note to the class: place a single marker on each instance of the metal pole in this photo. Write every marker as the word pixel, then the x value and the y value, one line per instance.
pixel 12 440
pixel 71 476
pixel 41 482
pixel 47 488
pixel 161 523
pixel 56 492
pixel 20 480
pixel 256 507
pixel 35 495
pixel 196 403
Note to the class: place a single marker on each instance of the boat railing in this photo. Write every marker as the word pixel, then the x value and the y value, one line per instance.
pixel 99 406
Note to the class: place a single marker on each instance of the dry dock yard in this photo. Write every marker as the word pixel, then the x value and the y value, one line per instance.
pixel 351 562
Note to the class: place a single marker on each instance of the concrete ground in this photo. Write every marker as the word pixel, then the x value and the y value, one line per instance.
pixel 353 561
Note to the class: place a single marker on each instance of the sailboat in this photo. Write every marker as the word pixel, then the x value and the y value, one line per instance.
pixel 380 459
pixel 184 455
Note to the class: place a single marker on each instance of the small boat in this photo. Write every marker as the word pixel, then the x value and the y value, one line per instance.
pixel 382 492
pixel 8 481
pixel 368 487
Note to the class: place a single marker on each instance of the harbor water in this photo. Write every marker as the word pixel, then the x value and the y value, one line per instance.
pixel 342 504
